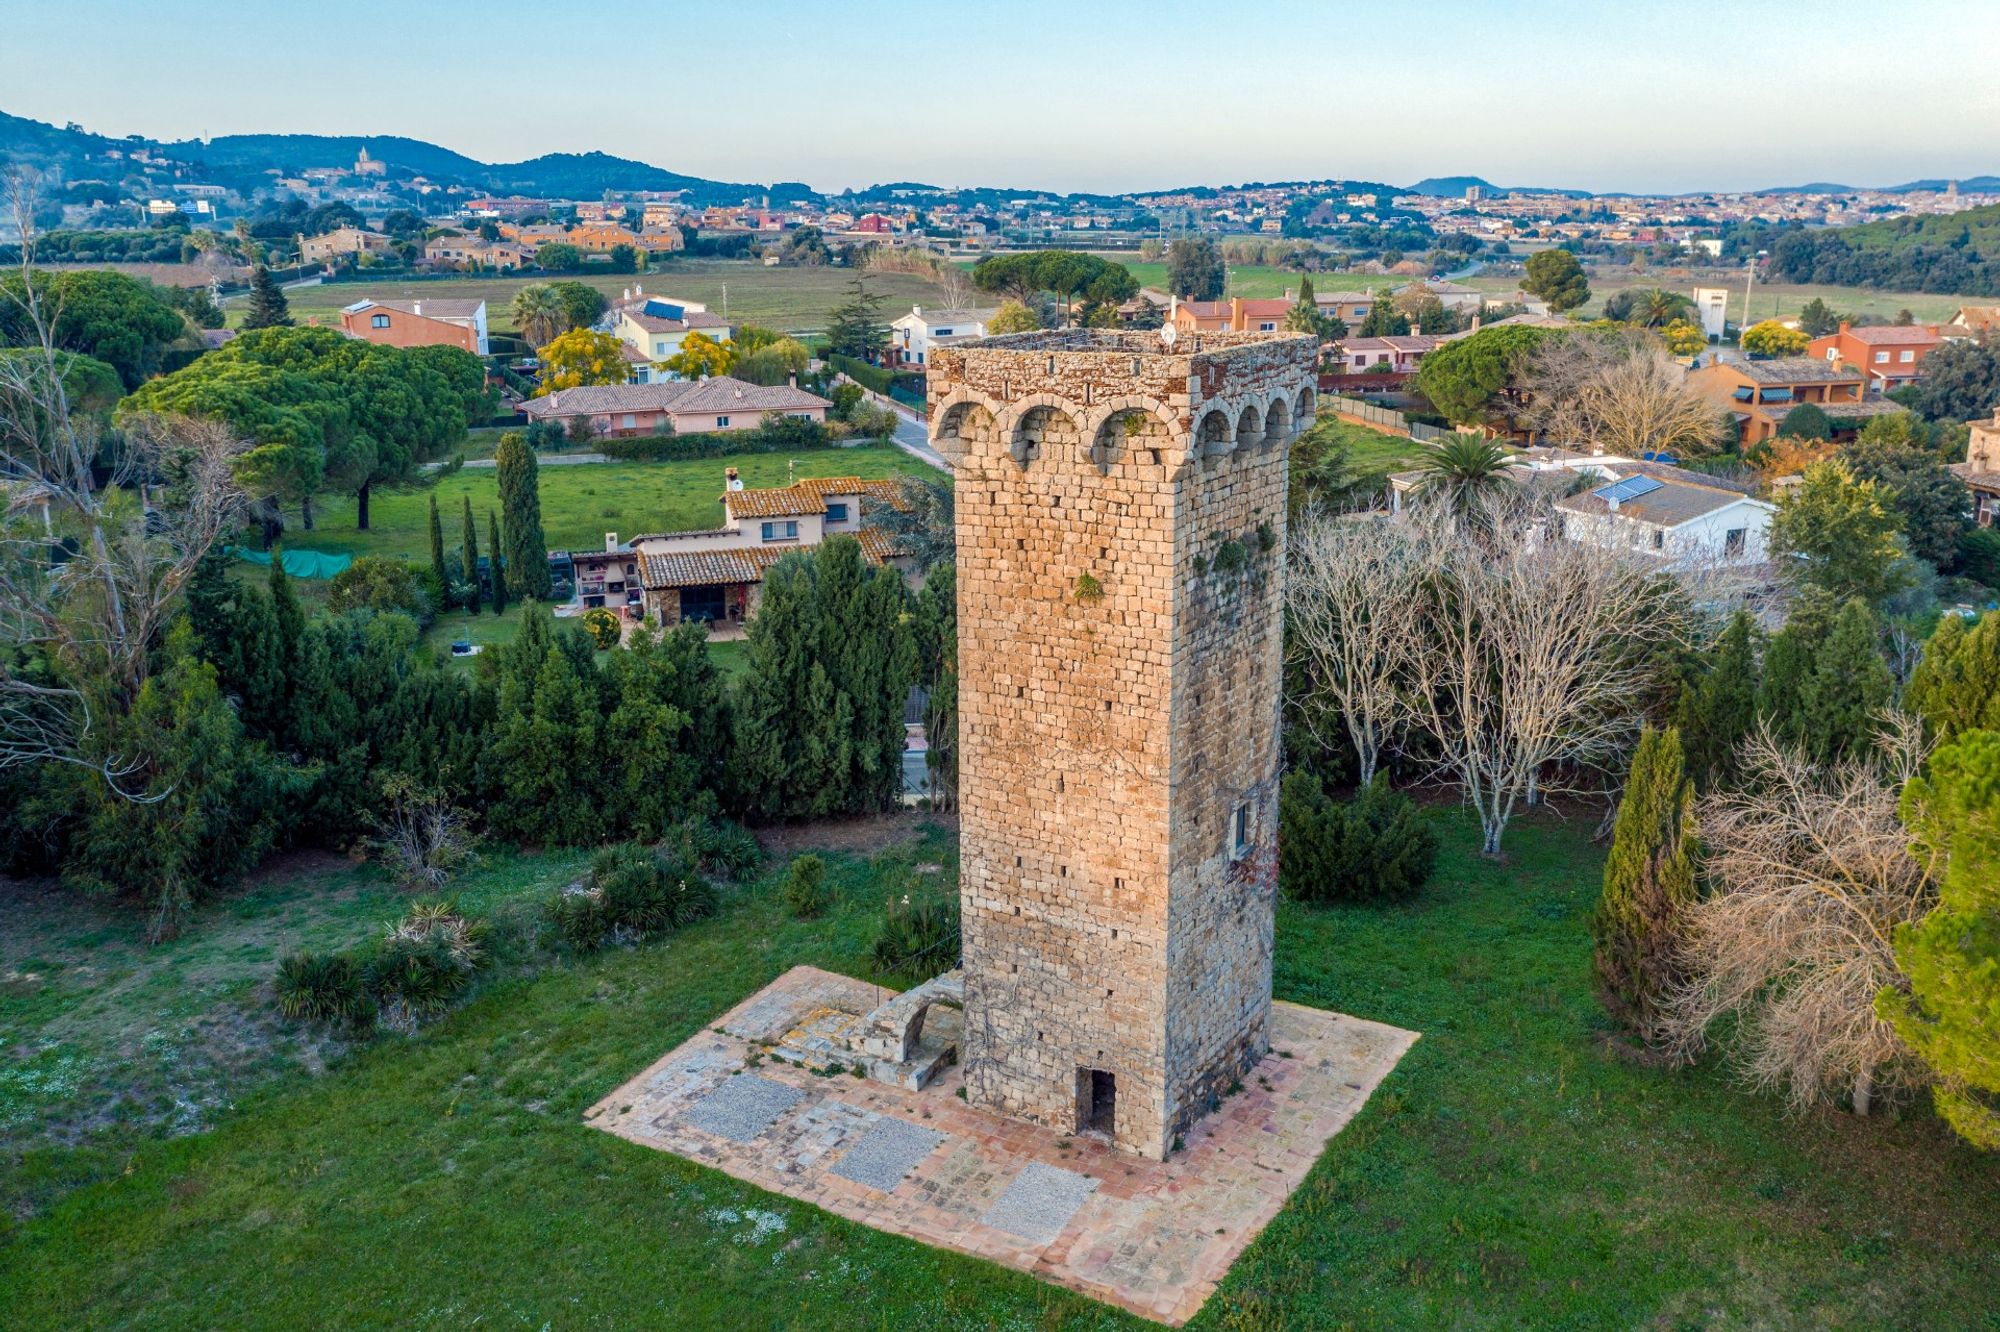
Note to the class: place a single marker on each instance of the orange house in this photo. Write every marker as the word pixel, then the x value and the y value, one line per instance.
pixel 424 323
pixel 1234 315
pixel 1890 355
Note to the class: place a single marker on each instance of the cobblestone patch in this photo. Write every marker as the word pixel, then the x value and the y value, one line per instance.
pixel 743 1107
pixel 890 1150
pixel 1040 1202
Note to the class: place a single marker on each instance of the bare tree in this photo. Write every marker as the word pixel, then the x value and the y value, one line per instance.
pixel 76 632
pixel 1620 392
pixel 1811 872
pixel 1540 655
pixel 1352 582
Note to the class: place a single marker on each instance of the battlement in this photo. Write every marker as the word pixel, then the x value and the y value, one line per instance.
pixel 1112 397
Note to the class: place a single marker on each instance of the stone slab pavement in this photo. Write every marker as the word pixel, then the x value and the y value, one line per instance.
pixel 1149 1236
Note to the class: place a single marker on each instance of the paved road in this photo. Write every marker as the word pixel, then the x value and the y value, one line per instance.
pixel 545 459
pixel 914 439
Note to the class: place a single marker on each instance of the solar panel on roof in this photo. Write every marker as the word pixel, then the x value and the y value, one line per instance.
pixel 1629 489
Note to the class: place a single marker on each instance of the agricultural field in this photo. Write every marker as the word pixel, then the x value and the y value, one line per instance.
pixel 795 300
pixel 1513 1171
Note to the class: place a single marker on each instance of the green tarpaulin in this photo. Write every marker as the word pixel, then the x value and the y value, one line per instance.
pixel 298 563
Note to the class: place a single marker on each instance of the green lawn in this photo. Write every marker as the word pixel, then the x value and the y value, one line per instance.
pixel 1256 280
pixel 791 299
pixel 1373 454
pixel 1510 1173
pixel 580 501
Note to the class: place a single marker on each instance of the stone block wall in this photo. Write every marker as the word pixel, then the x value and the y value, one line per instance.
pixel 1121 511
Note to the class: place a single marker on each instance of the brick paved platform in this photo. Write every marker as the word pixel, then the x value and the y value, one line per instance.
pixel 1153 1237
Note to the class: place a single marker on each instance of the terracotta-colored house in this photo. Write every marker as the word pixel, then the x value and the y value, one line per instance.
pixel 1234 315
pixel 717 575
pixel 1981 470
pixel 690 408
pixel 418 323
pixel 1760 394
pixel 1890 355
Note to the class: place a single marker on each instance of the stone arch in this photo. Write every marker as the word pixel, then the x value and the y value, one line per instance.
pixel 1278 421
pixel 1212 434
pixel 1249 427
pixel 1130 430
pixel 1305 408
pixel 962 423
pixel 892 1031
pixel 1042 426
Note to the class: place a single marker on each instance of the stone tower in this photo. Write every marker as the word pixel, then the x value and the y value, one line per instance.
pixel 1121 523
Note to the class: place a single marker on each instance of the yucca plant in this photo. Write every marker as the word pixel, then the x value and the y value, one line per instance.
pixel 917 941
pixel 321 987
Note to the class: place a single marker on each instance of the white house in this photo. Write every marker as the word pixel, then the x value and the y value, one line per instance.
pixel 1679 521
pixel 912 337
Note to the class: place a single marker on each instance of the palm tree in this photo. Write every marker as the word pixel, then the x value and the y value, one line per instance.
pixel 1467 472
pixel 1656 308
pixel 539 313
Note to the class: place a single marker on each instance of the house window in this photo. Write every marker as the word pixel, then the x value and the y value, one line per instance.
pixel 1881 358
pixel 1267 328
pixel 1239 832
pixel 1907 357
pixel 629 421
pixel 1659 538
pixel 942 333
pixel 378 321
pixel 836 513
pixel 785 531
pixel 722 423
pixel 1833 353
pixel 1732 541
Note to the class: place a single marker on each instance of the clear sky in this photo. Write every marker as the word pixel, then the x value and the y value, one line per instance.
pixel 1063 94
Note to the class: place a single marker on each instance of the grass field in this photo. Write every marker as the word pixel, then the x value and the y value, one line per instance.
pixel 1510 1173
pixel 580 502
pixel 1767 301
pixel 791 299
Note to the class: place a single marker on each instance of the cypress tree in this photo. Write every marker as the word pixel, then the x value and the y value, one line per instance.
pixel 290 623
pixel 1720 708
pixel 547 739
pixel 1787 662
pixel 1649 878
pixel 470 546
pixel 1956 686
pixel 1848 683
pixel 438 570
pixel 268 307
pixel 1951 1013
pixel 494 548
pixel 527 555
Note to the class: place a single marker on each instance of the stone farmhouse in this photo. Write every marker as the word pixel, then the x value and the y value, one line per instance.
pixel 687 407
pixel 340 243
pixel 1981 469
pixel 1121 514
pixel 717 575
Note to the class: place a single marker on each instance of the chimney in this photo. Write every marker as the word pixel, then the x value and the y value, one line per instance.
pixel 625 295
pixel 731 481
pixel 610 542
pixel 1844 325
pixel 793 379
pixel 638 289
pixel 417 307
pixel 1236 314
pixel 916 309
pixel 1611 503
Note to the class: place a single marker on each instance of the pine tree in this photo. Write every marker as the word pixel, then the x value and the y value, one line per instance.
pixel 438 569
pixel 527 555
pixel 1847 685
pixel 470 546
pixel 1951 1015
pixel 1649 878
pixel 499 565
pixel 1719 709
pixel 1956 686
pixel 268 307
